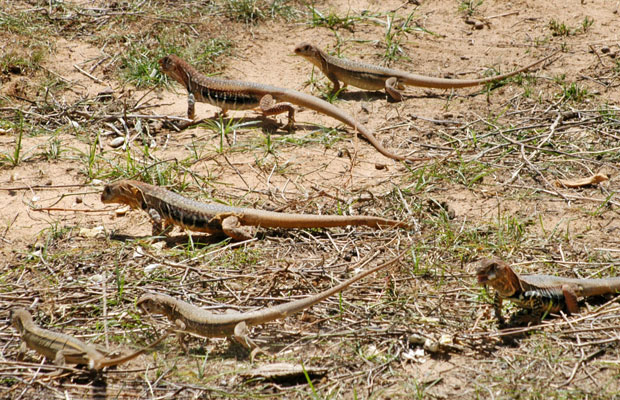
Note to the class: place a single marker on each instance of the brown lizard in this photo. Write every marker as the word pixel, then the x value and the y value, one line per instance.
pixel 373 77
pixel 240 95
pixel 189 318
pixel 62 348
pixel 539 293
pixel 167 208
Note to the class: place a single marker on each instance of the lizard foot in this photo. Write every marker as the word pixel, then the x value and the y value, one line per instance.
pixel 232 227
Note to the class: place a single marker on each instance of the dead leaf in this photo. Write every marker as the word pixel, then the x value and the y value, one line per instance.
pixel 575 183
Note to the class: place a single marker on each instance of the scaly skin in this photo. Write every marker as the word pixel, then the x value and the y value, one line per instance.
pixel 63 349
pixel 239 95
pixel 189 318
pixel 167 208
pixel 373 77
pixel 540 293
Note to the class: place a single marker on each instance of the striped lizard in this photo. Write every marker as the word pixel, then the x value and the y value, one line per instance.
pixel 539 293
pixel 167 208
pixel 189 318
pixel 62 348
pixel 373 77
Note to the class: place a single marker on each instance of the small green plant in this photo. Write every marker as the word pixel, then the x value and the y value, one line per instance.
pixel 586 24
pixel 253 11
pixel 469 6
pixel 209 52
pixel 15 157
pixel 574 92
pixel 244 10
pixel 92 157
pixel 331 20
pixel 559 28
pixel 280 8
pixel 396 32
pixel 120 283
pixel 330 95
pixel 225 127
pixel 392 41
pixel 139 64
pixel 12 62
pixel 54 149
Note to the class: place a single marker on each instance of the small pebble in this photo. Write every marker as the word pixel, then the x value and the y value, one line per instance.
pixel 117 142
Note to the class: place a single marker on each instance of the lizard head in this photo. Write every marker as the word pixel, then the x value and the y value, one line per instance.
pixel 487 273
pixel 497 274
pixel 175 67
pixel 19 318
pixel 149 304
pixel 122 192
pixel 308 51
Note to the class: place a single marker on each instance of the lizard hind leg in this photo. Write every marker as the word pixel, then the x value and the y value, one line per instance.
pixel 393 88
pixel 232 227
pixel 570 299
pixel 268 106
pixel 60 360
pixel 240 336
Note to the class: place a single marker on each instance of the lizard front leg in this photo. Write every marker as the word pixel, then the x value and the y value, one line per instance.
pixel 335 82
pixel 268 106
pixel 21 352
pixel 181 335
pixel 191 106
pixel 191 112
pixel 393 88
pixel 497 307
pixel 158 223
pixel 232 227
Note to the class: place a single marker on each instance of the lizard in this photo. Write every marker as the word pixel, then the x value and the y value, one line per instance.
pixel 62 348
pixel 539 293
pixel 189 318
pixel 373 77
pixel 270 100
pixel 167 208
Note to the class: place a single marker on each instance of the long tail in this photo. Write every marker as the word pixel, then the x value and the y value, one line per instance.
pixel 442 83
pixel 285 220
pixel 283 310
pixel 596 287
pixel 316 104
pixel 123 359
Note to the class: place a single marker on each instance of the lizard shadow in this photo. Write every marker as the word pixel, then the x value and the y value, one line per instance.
pixel 97 381
pixel 266 124
pixel 426 94
pixel 362 95
pixel 230 350
pixel 197 240
pixel 515 328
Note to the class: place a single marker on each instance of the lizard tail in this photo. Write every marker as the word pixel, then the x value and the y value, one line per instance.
pixel 293 307
pixel 123 359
